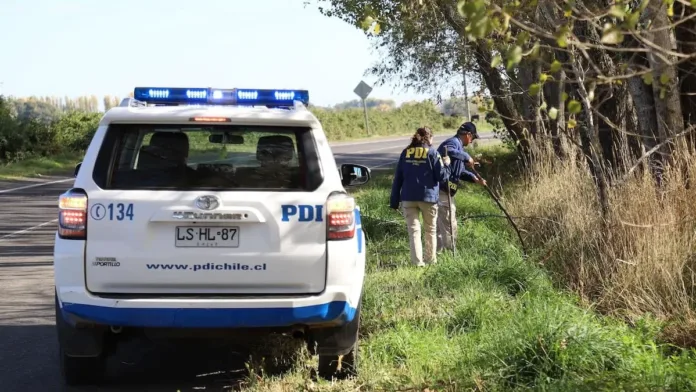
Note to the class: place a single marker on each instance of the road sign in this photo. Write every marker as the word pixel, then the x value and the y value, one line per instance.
pixel 362 90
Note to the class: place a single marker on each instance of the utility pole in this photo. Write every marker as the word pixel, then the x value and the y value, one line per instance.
pixel 466 92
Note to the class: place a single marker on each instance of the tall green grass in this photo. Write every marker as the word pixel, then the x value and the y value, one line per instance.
pixel 486 319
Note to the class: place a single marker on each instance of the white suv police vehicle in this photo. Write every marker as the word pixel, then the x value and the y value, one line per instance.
pixel 200 209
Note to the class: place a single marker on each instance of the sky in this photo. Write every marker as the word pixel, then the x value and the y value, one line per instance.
pixel 108 47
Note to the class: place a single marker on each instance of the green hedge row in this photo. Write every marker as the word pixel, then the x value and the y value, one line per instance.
pixel 350 123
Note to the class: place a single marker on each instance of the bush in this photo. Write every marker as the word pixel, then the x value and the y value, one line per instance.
pixel 350 123
pixel 74 130
pixel 32 133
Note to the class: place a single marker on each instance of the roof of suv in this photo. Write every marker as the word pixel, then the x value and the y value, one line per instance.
pixel 238 114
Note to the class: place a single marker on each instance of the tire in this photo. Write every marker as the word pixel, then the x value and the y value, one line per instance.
pixel 82 371
pixel 332 366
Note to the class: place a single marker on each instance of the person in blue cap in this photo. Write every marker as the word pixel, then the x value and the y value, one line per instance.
pixel 416 186
pixel 453 147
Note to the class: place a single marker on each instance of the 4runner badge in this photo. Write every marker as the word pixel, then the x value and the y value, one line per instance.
pixel 207 202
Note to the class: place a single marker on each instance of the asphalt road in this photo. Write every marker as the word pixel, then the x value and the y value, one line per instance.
pixel 28 343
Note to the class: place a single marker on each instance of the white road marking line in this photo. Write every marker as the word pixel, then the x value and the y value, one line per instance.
pixel 396 148
pixel 341 144
pixel 368 151
pixel 380 140
pixel 35 185
pixel 383 164
pixel 27 230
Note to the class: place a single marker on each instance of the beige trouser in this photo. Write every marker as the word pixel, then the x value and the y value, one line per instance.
pixel 445 213
pixel 412 211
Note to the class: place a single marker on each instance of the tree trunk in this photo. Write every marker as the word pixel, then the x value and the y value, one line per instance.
pixel 501 98
pixel 666 95
pixel 686 40
pixel 529 105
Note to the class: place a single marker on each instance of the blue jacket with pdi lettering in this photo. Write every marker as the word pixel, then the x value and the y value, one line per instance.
pixel 458 170
pixel 417 177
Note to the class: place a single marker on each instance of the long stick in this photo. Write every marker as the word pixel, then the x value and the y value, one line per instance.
pixel 512 222
pixel 449 213
pixel 500 205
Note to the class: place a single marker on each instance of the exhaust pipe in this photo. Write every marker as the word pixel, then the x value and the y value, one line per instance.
pixel 116 330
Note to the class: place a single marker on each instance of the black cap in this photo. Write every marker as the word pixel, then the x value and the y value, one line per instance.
pixel 468 127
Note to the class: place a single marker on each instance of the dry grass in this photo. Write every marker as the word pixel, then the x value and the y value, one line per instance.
pixel 639 260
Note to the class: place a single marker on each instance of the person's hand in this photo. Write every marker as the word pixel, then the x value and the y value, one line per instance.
pixel 446 160
pixel 481 181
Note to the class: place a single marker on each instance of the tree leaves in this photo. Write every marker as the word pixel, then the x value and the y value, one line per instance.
pixel 617 11
pixel 555 66
pixel 648 78
pixel 574 107
pixel 514 56
pixel 497 60
pixel 534 89
pixel 553 113
pixel 611 34
pixel 370 24
pixel 476 14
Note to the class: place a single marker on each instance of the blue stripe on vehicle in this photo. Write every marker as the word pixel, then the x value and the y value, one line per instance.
pixel 336 311
pixel 359 232
pixel 360 240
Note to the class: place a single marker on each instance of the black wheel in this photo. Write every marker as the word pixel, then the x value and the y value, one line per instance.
pixel 337 339
pixel 82 371
pixel 339 367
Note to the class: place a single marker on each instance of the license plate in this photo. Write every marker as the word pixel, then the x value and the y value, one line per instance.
pixel 207 237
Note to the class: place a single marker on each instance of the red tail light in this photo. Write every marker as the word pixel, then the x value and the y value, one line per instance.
pixel 72 215
pixel 340 215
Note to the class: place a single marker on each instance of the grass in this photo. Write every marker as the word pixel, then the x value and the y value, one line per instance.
pixel 41 166
pixel 485 320
pixel 637 260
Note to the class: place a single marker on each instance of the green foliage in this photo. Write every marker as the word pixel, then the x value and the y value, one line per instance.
pixel 74 130
pixel 371 103
pixel 350 123
pixel 36 129
pixel 453 122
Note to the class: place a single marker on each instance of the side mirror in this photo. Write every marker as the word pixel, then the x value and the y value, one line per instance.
pixel 354 175
pixel 77 168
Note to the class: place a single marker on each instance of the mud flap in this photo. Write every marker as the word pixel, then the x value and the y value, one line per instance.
pixel 335 340
pixel 79 340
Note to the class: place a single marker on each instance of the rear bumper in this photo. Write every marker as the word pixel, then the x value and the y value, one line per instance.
pixel 328 309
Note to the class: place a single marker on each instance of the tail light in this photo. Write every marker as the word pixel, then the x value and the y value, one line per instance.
pixel 72 215
pixel 340 215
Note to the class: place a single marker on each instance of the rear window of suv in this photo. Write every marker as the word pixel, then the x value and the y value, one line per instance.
pixel 216 157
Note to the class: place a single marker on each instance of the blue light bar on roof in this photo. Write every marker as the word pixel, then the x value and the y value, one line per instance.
pixel 214 96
